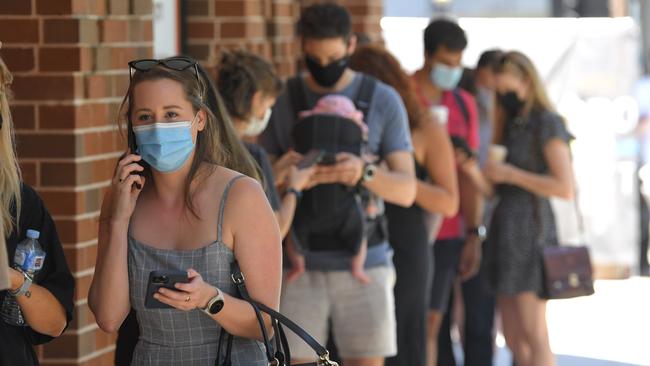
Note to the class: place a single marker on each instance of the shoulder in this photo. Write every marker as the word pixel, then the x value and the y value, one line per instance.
pixel 385 94
pixel 242 188
pixel 29 197
pixel 551 125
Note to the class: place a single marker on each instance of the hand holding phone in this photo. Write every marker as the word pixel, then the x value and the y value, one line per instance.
pixel 310 159
pixel 163 279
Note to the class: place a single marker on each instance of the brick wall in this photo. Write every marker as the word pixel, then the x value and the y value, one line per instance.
pixel 266 27
pixel 68 59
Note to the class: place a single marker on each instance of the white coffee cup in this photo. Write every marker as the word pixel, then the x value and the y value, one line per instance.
pixel 497 153
pixel 440 114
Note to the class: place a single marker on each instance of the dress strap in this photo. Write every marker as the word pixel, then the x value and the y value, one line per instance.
pixel 222 205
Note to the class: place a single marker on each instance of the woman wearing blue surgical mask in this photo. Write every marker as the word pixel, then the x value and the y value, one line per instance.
pixel 171 206
pixel 249 87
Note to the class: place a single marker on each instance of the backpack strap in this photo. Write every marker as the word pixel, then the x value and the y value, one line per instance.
pixel 297 94
pixel 461 103
pixel 364 96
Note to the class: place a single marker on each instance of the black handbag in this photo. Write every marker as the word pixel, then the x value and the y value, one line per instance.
pixel 280 355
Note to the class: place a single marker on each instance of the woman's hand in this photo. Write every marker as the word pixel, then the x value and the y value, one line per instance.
pixel 126 187
pixel 193 295
pixel 499 172
pixel 281 168
pixel 299 178
pixel 17 279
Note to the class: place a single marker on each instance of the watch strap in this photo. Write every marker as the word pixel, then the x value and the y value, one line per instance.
pixel 295 192
pixel 216 298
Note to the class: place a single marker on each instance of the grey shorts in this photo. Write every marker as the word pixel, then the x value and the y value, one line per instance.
pixel 362 316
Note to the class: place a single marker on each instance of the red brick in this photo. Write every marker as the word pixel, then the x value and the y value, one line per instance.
pixel 23 117
pixel 61 30
pixel 94 143
pixel 56 116
pixel 118 7
pixel 29 173
pixel 200 30
pixel 70 174
pixel 18 59
pixel 282 9
pixel 240 29
pixel 45 145
pixel 72 203
pixel 54 7
pixel 28 30
pixel 237 8
pixel 20 7
pixel 197 7
pixel 142 7
pixel 43 87
pixel 81 259
pixel 97 86
pixel 199 52
pixel 59 59
pixel 72 231
pixel 114 30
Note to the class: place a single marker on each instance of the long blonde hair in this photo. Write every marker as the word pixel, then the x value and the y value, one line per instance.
pixel 9 170
pixel 518 64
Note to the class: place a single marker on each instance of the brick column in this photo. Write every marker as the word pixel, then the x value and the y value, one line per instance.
pixel 68 58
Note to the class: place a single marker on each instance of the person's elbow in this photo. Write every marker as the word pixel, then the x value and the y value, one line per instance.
pixel 56 328
pixel 108 325
pixel 408 193
pixel 566 192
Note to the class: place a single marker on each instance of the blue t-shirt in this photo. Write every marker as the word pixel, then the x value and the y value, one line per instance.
pixel 388 132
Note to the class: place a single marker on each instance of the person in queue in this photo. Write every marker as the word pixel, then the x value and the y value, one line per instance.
pixel 190 210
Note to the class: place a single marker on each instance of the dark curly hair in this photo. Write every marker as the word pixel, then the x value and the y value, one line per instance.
pixel 322 21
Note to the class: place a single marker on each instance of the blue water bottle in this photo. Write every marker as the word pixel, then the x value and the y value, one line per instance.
pixel 29 258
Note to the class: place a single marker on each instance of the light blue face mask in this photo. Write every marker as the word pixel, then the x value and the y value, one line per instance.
pixel 445 77
pixel 165 146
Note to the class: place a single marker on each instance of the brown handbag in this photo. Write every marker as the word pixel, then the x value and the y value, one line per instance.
pixel 567 270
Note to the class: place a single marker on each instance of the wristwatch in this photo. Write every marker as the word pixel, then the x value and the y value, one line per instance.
pixel 24 289
pixel 296 192
pixel 479 231
pixel 215 304
pixel 368 173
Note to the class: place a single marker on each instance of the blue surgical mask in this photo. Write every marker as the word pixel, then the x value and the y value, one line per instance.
pixel 446 77
pixel 165 146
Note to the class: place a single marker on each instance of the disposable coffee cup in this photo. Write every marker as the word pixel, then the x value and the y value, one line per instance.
pixel 440 114
pixel 497 153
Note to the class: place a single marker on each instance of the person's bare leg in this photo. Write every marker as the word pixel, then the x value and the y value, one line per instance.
pixel 369 361
pixel 533 327
pixel 433 329
pixel 515 339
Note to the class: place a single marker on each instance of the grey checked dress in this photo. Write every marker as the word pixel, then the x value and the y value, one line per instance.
pixel 178 338
pixel 513 250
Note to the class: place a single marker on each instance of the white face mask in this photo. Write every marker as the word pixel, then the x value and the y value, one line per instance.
pixel 256 126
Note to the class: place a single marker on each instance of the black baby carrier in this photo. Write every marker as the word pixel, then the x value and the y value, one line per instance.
pixel 335 217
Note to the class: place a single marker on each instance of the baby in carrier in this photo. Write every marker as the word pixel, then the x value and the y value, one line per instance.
pixel 355 215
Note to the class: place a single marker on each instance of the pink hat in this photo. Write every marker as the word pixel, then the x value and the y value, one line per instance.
pixel 339 105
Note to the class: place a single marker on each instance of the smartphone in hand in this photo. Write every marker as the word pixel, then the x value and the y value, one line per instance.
pixel 310 159
pixel 134 147
pixel 328 159
pixel 165 279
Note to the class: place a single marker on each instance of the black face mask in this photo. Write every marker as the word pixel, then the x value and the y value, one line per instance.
pixel 327 76
pixel 511 103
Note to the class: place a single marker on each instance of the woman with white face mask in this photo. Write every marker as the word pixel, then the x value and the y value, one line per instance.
pixel 249 87
pixel 180 200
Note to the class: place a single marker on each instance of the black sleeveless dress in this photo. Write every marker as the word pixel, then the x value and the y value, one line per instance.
pixel 408 235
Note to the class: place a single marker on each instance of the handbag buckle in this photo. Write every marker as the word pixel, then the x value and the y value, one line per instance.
pixel 325 360
pixel 275 362
pixel 237 278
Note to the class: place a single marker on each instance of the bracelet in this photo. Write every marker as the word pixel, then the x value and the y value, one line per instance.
pixel 24 288
pixel 295 192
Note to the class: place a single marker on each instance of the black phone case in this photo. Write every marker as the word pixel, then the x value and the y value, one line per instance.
pixel 328 159
pixel 173 277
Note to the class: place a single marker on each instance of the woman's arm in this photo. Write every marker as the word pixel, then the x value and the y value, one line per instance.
pixel 109 292
pixel 442 195
pixel 297 179
pixel 42 311
pixel 559 181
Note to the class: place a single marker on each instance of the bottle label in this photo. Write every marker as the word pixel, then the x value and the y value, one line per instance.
pixel 30 261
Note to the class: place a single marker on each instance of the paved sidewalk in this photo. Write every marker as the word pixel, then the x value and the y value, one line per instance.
pixel 610 328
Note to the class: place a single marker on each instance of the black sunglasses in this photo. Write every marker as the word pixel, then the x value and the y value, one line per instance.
pixel 173 63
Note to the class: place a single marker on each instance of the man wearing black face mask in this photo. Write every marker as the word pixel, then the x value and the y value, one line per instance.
pixel 362 315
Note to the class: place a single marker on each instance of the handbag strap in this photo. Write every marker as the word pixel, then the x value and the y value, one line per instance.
pixel 323 355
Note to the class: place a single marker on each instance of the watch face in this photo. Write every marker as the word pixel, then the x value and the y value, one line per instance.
pixel 216 307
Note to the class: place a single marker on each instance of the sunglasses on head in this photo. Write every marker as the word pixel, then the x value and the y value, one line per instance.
pixel 172 63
